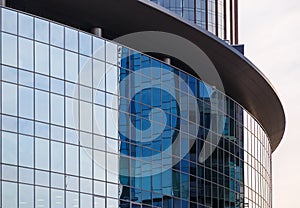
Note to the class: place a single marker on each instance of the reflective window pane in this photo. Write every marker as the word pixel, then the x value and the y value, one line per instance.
pixel 71 66
pixel 111 53
pixel 9 148
pixel 9 21
pixel 26 196
pixel 98 48
pixel 42 197
pixel 71 38
pixel 25 54
pixel 41 58
pixel 57 199
pixel 41 106
pixel 9 50
pixel 57 157
pixel 9 74
pixel 26 151
pixel 72 159
pixel 85 44
pixel 56 35
pixel 26 78
pixel 41 30
pixel 57 109
pixel 9 194
pixel 26 102
pixel 57 62
pixel 42 154
pixel 25 26
pixel 9 98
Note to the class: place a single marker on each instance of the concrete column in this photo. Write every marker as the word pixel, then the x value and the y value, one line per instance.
pixel 167 60
pixel 97 31
pixel 2 2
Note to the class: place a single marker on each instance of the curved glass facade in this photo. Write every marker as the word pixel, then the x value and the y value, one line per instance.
pixel 89 123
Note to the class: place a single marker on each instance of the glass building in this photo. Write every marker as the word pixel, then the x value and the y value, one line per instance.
pixel 88 121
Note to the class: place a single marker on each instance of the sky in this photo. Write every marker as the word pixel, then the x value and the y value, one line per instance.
pixel 270 30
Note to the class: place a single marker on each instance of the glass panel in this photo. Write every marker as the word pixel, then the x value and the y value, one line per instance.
pixel 57 157
pixel 85 71
pixel 9 173
pixel 57 180
pixel 57 199
pixel 86 162
pixel 98 48
pixel 72 160
pixel 111 79
pixel 71 38
pixel 42 178
pixel 26 102
pixel 86 116
pixel 72 183
pixel 57 133
pixel 25 26
pixel 25 196
pixel 26 175
pixel 99 125
pixel 112 168
pixel 57 86
pixel 99 165
pixel 71 66
pixel 85 42
pixel 99 202
pixel 9 21
pixel 41 58
pixel 42 154
pixel 25 54
pixel 26 151
pixel 72 199
pixel 9 74
pixel 99 75
pixel 57 62
pixel 41 30
pixel 86 185
pixel 9 99
pixel 9 123
pixel 26 126
pixel 41 197
pixel 41 82
pixel 41 106
pixel 100 188
pixel 85 200
pixel 56 35
pixel 9 194
pixel 9 50
pixel 26 78
pixel 9 148
pixel 111 53
pixel 57 109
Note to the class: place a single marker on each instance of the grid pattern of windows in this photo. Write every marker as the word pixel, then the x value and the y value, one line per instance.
pixel 62 114
pixel 200 12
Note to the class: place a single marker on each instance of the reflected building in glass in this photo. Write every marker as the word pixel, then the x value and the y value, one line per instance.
pixel 90 120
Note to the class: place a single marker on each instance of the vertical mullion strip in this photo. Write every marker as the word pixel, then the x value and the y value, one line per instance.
pixel 231 22
pixel 1 108
pixel 217 17
pixel 206 13
pixel 195 10
pixel 225 19
pixel 236 22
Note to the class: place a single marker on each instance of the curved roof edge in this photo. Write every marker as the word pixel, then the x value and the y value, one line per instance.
pixel 242 80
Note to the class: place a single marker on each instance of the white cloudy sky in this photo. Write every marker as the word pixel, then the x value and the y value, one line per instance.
pixel 270 30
